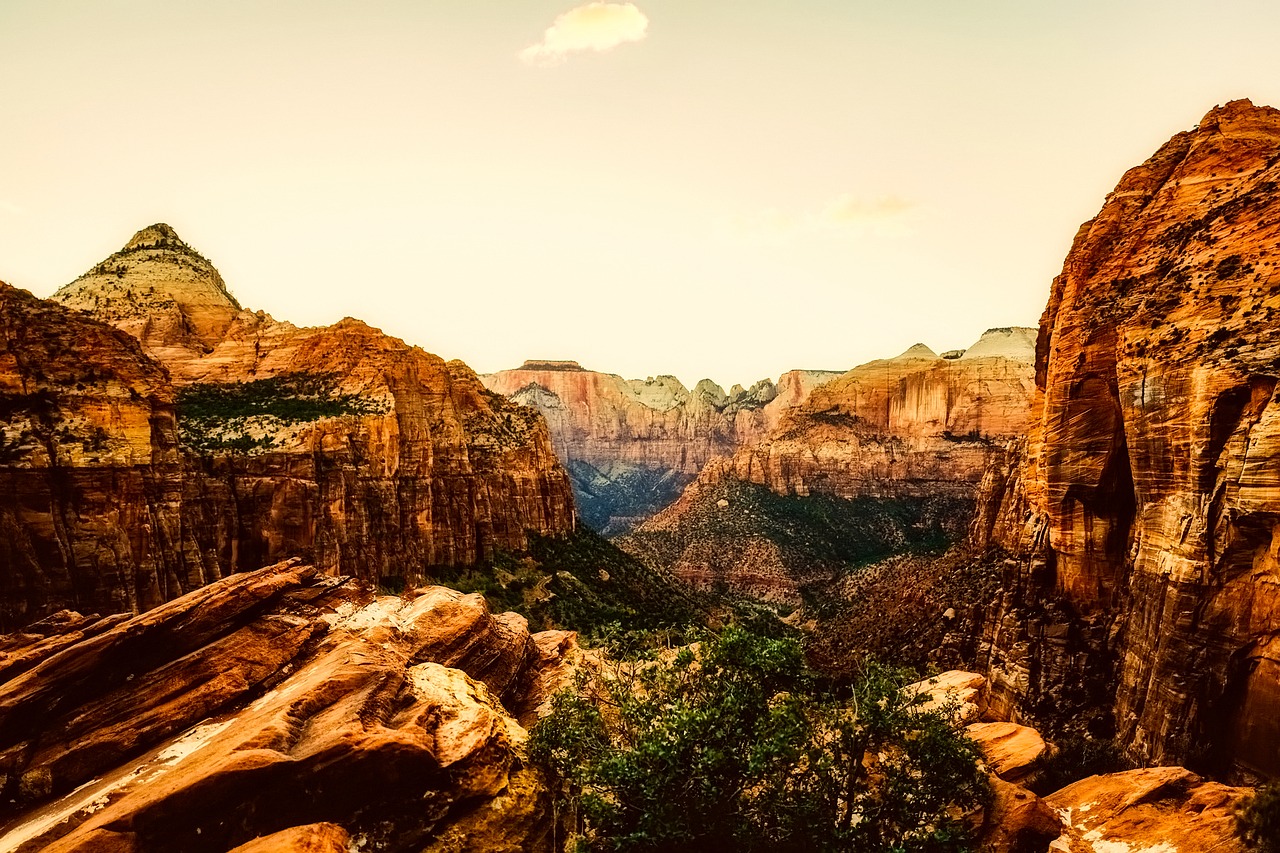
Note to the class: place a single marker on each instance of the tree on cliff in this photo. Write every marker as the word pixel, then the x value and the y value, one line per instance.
pixel 732 745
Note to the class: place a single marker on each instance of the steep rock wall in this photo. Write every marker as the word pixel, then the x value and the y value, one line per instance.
pixel 1146 507
pixel 228 440
pixel 633 445
pixel 884 459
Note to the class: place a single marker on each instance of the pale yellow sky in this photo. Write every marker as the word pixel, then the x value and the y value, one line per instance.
pixel 724 189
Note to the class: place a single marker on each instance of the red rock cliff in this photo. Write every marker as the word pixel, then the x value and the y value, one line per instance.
pixel 1148 501
pixel 341 444
pixel 632 445
pixel 884 459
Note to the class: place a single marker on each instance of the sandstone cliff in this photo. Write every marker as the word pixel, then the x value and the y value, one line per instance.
pixel 277 701
pixel 632 445
pixel 133 484
pixel 1147 505
pixel 883 459
pixel 91 477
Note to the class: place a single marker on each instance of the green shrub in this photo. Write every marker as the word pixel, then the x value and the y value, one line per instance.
pixel 1258 821
pixel 734 746
pixel 217 416
pixel 1078 757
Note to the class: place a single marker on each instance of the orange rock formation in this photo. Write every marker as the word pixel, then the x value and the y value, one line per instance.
pixel 343 445
pixel 276 701
pixel 632 445
pixel 1148 501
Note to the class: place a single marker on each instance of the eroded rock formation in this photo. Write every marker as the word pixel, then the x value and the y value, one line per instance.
pixel 276 701
pixel 884 459
pixel 1146 509
pixel 632 445
pixel 130 484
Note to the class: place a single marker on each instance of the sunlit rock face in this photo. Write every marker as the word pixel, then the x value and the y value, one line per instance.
pixel 282 702
pixel 632 445
pixel 161 291
pixel 1148 500
pixel 884 459
pixel 220 440
pixel 915 424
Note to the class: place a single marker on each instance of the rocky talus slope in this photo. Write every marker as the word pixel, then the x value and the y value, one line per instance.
pixel 632 445
pixel 279 703
pixel 884 459
pixel 227 440
pixel 1146 508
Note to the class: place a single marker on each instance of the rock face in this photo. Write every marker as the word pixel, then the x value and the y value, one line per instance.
pixel 161 291
pixel 273 708
pixel 884 459
pixel 632 445
pixel 1154 809
pixel 132 484
pixel 1147 505
pixel 912 425
pixel 91 476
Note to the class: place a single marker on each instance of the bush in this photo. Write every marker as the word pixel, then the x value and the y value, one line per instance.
pixel 733 745
pixel 1259 819
pixel 1078 757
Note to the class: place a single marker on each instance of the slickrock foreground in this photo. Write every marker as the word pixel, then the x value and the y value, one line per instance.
pixel 632 445
pixel 1153 810
pixel 1146 508
pixel 1159 809
pixel 228 440
pixel 276 701
pixel 886 458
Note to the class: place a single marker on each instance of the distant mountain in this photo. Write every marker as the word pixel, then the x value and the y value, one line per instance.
pixel 885 458
pixel 632 445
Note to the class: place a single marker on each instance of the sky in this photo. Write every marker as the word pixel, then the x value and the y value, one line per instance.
pixel 688 187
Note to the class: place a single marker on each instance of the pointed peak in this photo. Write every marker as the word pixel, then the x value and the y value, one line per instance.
pixel 919 351
pixel 158 236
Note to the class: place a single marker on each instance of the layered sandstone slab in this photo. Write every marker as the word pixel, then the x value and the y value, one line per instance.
pixel 1154 809
pixel 1149 496
pixel 272 708
pixel 632 445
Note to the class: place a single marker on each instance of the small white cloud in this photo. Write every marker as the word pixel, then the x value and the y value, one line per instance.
pixel 595 26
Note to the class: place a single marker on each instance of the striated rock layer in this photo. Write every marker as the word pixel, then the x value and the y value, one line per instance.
pixel 884 459
pixel 271 708
pixel 632 445
pixel 130 484
pixel 1147 506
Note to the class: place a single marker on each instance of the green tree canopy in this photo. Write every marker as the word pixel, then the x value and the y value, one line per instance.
pixel 734 745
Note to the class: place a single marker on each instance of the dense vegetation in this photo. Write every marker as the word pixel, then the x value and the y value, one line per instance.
pixel 1259 819
pixel 734 745
pixel 815 536
pixel 584 583
pixel 240 415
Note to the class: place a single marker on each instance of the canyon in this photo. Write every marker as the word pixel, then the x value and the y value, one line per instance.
pixel 200 503
pixel 190 439
pixel 631 446
pixel 887 457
